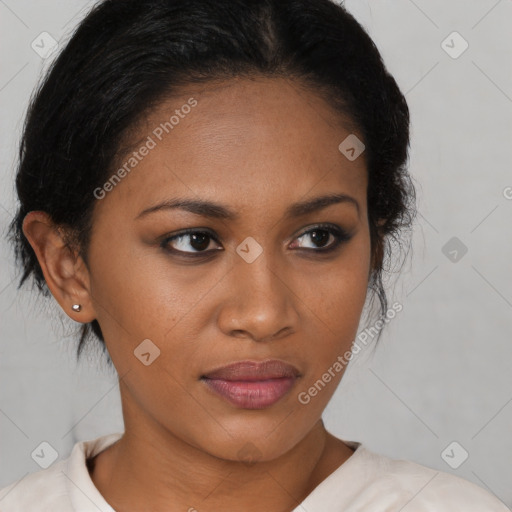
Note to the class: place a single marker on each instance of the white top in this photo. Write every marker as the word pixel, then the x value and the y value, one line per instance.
pixel 365 482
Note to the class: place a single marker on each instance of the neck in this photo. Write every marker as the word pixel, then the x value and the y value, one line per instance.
pixel 152 469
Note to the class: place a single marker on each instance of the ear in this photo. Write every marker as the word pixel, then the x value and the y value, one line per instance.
pixel 64 270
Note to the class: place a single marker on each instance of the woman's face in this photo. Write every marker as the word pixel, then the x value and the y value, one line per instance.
pixel 260 285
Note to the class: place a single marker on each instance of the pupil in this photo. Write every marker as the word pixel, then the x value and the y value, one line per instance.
pixel 318 239
pixel 199 241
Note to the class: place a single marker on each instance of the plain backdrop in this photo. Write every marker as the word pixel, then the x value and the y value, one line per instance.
pixel 438 388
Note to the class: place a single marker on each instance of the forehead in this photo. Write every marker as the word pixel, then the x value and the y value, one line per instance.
pixel 270 140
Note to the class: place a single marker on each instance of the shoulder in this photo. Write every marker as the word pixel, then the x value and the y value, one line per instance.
pixel 42 491
pixel 64 486
pixel 427 489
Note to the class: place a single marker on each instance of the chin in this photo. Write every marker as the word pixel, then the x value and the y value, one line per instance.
pixel 250 444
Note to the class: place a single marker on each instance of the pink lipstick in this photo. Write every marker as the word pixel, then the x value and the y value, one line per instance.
pixel 252 384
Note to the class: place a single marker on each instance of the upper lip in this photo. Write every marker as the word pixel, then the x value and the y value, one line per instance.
pixel 254 370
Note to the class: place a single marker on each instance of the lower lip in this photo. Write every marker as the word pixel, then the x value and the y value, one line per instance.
pixel 251 394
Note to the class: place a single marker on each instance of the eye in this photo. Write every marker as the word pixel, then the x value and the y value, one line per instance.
pixel 198 240
pixel 324 237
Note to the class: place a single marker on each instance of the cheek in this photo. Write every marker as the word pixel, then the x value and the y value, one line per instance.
pixel 336 298
pixel 139 294
pixel 339 290
pixel 126 295
pixel 135 289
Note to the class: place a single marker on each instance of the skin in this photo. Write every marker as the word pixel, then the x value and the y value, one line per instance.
pixel 255 146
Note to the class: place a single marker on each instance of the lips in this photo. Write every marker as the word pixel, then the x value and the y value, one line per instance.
pixel 254 370
pixel 252 384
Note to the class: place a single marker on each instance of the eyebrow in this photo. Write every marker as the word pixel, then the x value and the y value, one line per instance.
pixel 219 211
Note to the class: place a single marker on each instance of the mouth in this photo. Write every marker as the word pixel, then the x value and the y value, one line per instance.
pixel 252 384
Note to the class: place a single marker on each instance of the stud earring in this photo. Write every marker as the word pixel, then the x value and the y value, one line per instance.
pixel 76 307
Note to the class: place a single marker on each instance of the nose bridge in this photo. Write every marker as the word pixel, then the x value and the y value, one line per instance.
pixel 260 275
pixel 256 257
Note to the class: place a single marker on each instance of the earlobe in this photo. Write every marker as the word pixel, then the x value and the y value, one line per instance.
pixel 64 271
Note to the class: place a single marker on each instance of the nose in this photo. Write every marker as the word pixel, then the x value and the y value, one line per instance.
pixel 259 303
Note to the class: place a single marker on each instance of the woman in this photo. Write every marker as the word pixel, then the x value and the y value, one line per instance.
pixel 210 188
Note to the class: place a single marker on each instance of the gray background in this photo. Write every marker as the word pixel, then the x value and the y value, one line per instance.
pixel 442 369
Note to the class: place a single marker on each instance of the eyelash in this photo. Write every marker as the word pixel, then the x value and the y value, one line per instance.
pixel 339 234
